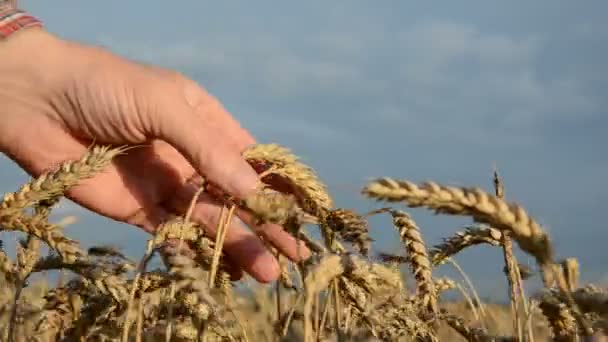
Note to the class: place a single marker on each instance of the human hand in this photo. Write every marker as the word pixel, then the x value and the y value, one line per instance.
pixel 56 104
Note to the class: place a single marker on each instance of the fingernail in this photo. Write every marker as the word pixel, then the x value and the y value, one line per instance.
pixel 246 181
pixel 266 268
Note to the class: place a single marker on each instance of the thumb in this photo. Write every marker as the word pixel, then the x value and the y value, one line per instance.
pixel 204 137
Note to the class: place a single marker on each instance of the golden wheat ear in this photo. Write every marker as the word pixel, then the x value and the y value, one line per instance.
pixel 278 161
pixel 55 183
pixel 339 294
pixel 473 202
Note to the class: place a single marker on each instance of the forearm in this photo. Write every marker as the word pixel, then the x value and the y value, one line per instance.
pixel 29 66
pixel 23 43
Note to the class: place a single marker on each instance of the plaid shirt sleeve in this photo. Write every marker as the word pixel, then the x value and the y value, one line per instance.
pixel 13 19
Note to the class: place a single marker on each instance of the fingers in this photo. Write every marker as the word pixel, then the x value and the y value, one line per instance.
pixel 206 105
pixel 173 248
pixel 285 243
pixel 204 149
pixel 212 141
pixel 294 249
pixel 242 246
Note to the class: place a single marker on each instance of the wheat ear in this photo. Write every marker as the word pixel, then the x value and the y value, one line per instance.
pixel 54 183
pixel 351 227
pixel 471 236
pixel 315 281
pixel 513 273
pixel 474 202
pixel 417 257
pixel 51 234
pixel 561 320
pixel 310 191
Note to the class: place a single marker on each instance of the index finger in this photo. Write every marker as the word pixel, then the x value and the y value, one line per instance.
pixel 206 105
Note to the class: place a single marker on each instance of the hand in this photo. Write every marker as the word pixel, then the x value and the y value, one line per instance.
pixel 58 97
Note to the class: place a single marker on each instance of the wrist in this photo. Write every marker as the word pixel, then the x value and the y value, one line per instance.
pixel 28 51
pixel 31 69
pixel 13 19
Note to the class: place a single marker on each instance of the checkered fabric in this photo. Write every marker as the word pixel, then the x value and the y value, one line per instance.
pixel 13 19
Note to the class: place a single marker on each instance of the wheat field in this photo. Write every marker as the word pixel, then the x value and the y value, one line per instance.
pixel 343 292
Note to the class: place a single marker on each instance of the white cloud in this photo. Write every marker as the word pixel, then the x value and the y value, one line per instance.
pixel 459 79
pixel 299 129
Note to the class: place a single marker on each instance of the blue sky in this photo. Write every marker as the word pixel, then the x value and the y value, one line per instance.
pixel 421 91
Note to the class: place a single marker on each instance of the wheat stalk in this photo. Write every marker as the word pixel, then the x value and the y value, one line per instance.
pixel 474 202
pixel 513 273
pixel 418 258
pixel 315 281
pixel 560 318
pixel 346 295
pixel 51 234
pixel 471 236
pixel 310 191
pixel 52 184
pixel 351 227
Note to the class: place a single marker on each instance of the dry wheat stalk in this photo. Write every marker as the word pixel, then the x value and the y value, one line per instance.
pixel 483 207
pixel 112 285
pixel 313 245
pixel 182 228
pixel 54 183
pixel 177 227
pixel 471 236
pixel 591 299
pixel 571 271
pixel 391 259
pixel 399 317
pixel 363 279
pixel 27 254
pixel 275 207
pixel 561 291
pixel 444 284
pixel 7 268
pixel 106 251
pixel 417 257
pixel 560 318
pixel 88 268
pixel 353 294
pixel 51 234
pixel 367 297
pixel 350 227
pixel 134 286
pixel 513 273
pixel 310 192
pixel 285 278
pixel 58 312
pixel 193 278
pixel 525 271
pixel 317 279
pixel 376 279
pixel 367 286
pixel 107 277
pixel 364 289
pixel 471 334
pixel 223 225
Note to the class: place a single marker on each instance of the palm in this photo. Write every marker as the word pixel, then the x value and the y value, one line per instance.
pixel 114 101
pixel 139 186
pixel 144 186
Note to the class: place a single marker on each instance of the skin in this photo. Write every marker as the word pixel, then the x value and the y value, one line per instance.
pixel 58 97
